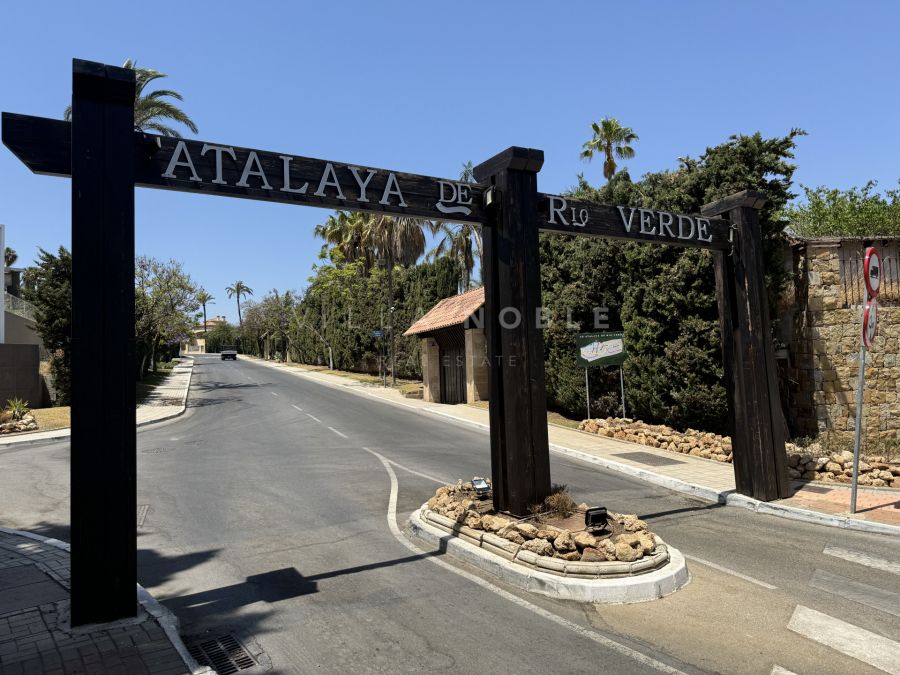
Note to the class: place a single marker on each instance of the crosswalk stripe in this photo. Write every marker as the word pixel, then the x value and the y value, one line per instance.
pixel 863 559
pixel 778 670
pixel 871 596
pixel 850 640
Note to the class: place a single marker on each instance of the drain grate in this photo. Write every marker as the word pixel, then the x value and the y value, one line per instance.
pixel 224 654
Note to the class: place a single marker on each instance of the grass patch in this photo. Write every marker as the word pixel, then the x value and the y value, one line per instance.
pixel 52 418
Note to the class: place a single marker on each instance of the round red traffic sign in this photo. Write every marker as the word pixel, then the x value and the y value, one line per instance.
pixel 872 272
pixel 870 321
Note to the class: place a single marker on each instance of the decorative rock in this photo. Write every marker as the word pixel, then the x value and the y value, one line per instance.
pixel 564 542
pixel 527 530
pixel 473 520
pixel 834 467
pixel 626 553
pixel 547 534
pixel 512 535
pixel 570 556
pixel 584 540
pixel 539 546
pixel 594 555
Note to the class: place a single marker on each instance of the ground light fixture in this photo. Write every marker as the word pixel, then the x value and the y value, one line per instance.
pixel 595 517
pixel 481 487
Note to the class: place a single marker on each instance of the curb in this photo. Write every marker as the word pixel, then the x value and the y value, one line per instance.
pixel 724 497
pixel 623 590
pixel 65 433
pixel 163 616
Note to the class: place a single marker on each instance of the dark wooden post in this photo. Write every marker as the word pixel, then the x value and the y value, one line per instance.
pixel 520 454
pixel 103 503
pixel 757 439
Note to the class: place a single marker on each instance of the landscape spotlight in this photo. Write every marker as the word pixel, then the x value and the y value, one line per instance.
pixel 481 487
pixel 595 517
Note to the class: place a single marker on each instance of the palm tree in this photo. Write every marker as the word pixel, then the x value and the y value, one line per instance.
pixel 459 241
pixel 10 256
pixel 346 232
pixel 610 138
pixel 238 289
pixel 151 110
pixel 204 299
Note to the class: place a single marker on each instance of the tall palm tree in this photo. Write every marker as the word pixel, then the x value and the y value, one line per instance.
pixel 152 110
pixel 346 232
pixel 611 139
pixel 459 241
pixel 237 289
pixel 204 299
pixel 10 256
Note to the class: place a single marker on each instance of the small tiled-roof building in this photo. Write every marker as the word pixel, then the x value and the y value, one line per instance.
pixel 454 351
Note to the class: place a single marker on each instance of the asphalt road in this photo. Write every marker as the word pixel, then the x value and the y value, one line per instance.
pixel 262 512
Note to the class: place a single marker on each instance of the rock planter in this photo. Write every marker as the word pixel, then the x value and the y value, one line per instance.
pixel 811 464
pixel 27 423
pixel 624 547
pixel 690 442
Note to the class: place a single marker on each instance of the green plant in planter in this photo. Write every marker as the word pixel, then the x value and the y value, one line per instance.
pixel 17 408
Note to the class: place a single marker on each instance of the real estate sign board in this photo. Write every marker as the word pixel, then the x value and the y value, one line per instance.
pixel 600 349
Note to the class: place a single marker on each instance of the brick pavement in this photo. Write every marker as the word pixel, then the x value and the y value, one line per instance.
pixel 34 632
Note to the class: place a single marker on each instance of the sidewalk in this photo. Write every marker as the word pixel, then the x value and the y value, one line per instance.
pixel 168 399
pixel 822 503
pixel 34 633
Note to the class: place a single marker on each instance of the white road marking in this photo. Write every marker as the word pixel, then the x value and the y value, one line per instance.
pixel 314 417
pixel 853 641
pixel 731 572
pixel 338 432
pixel 863 559
pixel 778 670
pixel 273 393
pixel 864 594
pixel 506 595
pixel 297 407
pixel 418 473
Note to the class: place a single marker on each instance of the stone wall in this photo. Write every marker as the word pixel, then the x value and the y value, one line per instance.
pixel 431 370
pixel 824 341
pixel 476 366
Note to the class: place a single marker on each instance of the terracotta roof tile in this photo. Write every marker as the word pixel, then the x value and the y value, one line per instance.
pixel 449 312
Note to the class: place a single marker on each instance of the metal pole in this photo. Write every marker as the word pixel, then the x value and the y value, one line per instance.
pixel 622 387
pixel 587 393
pixel 860 381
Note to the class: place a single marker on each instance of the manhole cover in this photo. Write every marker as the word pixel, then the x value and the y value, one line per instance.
pixel 224 654
pixel 648 458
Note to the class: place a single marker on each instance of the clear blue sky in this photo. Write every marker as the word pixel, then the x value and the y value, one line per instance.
pixel 425 86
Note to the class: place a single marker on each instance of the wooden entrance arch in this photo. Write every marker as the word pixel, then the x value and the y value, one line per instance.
pixel 106 159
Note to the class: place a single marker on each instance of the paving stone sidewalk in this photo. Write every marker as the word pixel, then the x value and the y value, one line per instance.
pixel 34 632
pixel 704 478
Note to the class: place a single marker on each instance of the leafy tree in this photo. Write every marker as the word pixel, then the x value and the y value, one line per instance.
pixel 612 140
pixel 221 334
pixel 152 110
pixel 665 297
pixel 856 212
pixel 48 286
pixel 164 302
pixel 237 290
pixel 204 298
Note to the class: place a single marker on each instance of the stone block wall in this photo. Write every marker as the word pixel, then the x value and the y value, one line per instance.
pixel 476 366
pixel 431 370
pixel 825 340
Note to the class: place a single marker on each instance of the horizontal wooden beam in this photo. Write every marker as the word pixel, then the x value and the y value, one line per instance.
pixel 44 146
pixel 573 216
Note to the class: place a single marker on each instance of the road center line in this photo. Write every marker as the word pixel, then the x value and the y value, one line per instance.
pixel 863 559
pixel 314 417
pixel 273 393
pixel 338 432
pixel 506 595
pixel 297 407
pixel 731 572
pixel 853 641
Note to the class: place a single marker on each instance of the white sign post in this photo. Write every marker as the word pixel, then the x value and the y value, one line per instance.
pixel 872 276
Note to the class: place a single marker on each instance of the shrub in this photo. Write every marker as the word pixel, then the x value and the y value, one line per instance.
pixel 17 408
